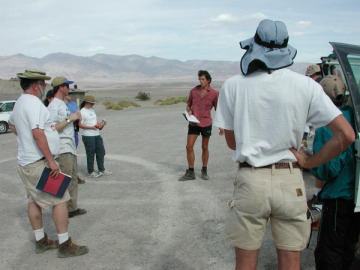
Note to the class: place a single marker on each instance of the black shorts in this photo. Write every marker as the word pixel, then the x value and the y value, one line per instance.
pixel 196 130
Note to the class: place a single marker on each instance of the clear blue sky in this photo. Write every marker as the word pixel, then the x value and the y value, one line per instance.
pixel 170 29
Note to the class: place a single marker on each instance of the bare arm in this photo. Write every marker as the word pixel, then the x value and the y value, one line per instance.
pixel 72 117
pixel 188 109
pixel 43 145
pixel 343 136
pixel 81 125
pixel 13 128
pixel 230 139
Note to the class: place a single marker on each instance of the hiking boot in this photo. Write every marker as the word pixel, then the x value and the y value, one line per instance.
pixel 77 212
pixel 45 244
pixel 105 173
pixel 70 249
pixel 204 175
pixel 189 175
pixel 81 181
pixel 94 175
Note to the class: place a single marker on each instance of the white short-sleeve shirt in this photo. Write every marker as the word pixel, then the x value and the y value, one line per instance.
pixel 268 113
pixel 88 117
pixel 58 113
pixel 30 113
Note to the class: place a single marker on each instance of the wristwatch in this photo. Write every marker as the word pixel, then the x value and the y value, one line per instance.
pixel 68 120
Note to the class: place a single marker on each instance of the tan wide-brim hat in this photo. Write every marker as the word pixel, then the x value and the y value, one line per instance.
pixel 89 99
pixel 33 74
pixel 312 69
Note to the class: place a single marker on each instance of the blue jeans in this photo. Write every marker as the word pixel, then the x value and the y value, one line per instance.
pixel 94 146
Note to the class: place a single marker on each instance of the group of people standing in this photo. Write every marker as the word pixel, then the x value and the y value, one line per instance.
pixel 263 113
pixel 47 137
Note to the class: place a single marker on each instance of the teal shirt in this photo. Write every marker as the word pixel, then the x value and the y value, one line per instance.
pixel 338 173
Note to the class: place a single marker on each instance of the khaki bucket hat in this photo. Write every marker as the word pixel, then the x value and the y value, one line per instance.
pixel 33 74
pixel 89 99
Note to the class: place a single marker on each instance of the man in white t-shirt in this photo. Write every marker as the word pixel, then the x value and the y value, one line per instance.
pixel 264 111
pixel 38 143
pixel 63 120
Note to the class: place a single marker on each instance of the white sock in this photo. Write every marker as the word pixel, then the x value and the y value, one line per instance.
pixel 39 234
pixel 317 190
pixel 63 237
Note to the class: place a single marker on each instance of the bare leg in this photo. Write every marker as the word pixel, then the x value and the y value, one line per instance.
pixel 205 150
pixel 288 259
pixel 60 217
pixel 246 259
pixel 35 216
pixel 191 139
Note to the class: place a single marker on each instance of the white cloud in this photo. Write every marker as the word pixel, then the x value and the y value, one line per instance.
pixel 225 18
pixel 297 33
pixel 44 39
pixel 96 49
pixel 304 24
pixel 256 16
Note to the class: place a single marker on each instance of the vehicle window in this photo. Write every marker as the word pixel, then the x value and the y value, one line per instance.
pixel 7 107
pixel 354 61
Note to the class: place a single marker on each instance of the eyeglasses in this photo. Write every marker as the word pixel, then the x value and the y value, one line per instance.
pixel 43 84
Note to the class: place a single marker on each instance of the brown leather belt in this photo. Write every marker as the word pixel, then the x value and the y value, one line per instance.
pixel 280 165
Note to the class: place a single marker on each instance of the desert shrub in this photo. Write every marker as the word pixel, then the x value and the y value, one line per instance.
pixel 143 96
pixel 171 101
pixel 125 104
pixel 109 105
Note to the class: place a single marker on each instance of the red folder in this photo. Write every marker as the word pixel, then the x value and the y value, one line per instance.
pixel 54 186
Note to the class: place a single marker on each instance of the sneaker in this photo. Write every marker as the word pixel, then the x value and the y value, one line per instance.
pixel 70 249
pixel 189 175
pixel 105 173
pixel 45 244
pixel 204 175
pixel 94 175
pixel 81 181
pixel 77 212
pixel 314 200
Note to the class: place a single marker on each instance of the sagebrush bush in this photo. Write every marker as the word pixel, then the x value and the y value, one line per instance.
pixel 143 96
pixel 109 105
pixel 171 101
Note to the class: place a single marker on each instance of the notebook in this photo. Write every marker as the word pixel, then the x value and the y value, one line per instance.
pixel 54 186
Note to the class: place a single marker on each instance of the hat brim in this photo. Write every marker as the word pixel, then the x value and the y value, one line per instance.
pixel 33 76
pixel 275 58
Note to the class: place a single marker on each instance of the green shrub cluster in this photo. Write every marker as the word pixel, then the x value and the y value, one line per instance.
pixel 143 96
pixel 171 101
pixel 120 105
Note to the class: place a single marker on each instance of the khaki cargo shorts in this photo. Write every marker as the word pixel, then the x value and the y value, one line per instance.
pixel 30 175
pixel 262 194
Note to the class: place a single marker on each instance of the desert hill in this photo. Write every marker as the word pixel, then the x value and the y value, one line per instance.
pixel 108 68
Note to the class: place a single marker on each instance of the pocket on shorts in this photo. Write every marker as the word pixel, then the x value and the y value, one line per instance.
pixel 248 195
pixel 294 199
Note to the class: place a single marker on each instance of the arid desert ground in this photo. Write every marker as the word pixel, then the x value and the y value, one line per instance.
pixel 140 217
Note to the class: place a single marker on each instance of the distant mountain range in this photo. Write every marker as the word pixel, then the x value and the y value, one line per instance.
pixel 116 68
